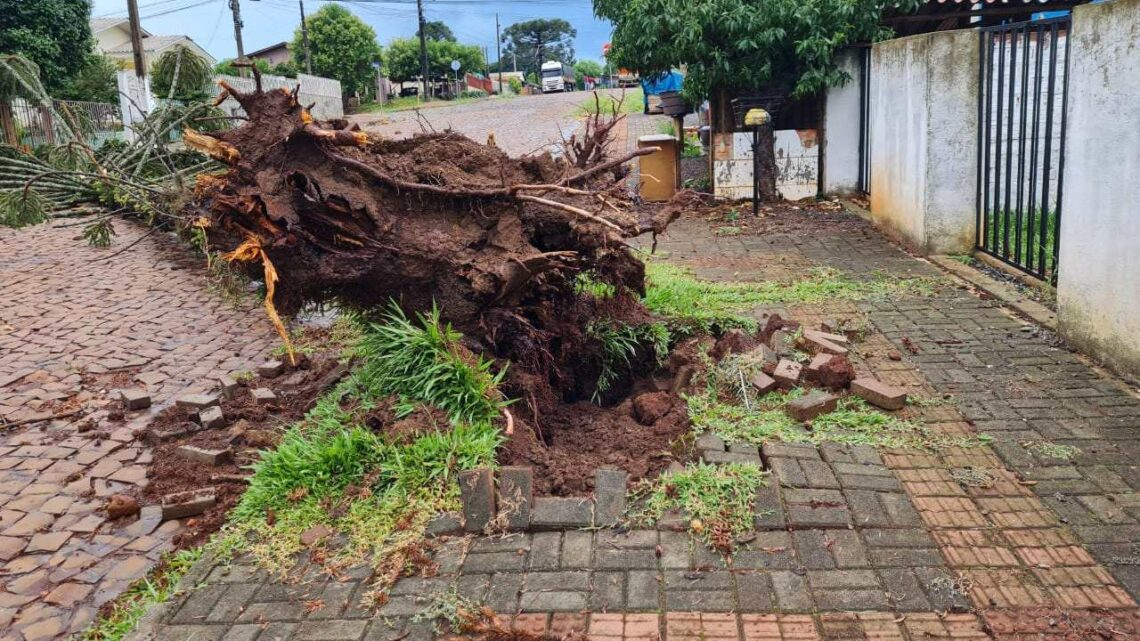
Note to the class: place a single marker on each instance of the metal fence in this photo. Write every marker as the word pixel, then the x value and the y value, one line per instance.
pixel 37 125
pixel 1021 142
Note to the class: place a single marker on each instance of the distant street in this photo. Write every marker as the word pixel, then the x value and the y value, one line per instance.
pixel 521 125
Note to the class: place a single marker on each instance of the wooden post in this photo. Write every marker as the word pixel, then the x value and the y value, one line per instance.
pixel 8 124
pixel 48 123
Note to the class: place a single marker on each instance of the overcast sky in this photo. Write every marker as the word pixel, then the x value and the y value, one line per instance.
pixel 210 22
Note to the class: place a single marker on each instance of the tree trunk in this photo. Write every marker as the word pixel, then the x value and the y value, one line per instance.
pixel 723 121
pixel 8 124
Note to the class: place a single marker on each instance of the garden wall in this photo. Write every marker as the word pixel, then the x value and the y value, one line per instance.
pixel 923 138
pixel 841 127
pixel 1098 288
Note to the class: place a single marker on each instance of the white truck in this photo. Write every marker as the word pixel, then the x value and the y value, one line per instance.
pixel 557 76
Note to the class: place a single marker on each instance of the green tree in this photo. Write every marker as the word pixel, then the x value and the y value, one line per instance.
pixel 437 30
pixel 343 47
pixel 536 41
pixel 403 58
pixel 584 68
pixel 54 34
pixel 187 73
pixel 741 47
pixel 95 81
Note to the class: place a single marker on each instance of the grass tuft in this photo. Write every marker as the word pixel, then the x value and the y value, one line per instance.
pixel 1052 450
pixel 718 500
pixel 620 345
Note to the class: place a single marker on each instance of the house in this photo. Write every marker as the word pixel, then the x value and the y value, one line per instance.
pixel 113 38
pixel 273 54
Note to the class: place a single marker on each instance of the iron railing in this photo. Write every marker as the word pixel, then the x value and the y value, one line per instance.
pixel 38 125
pixel 1022 94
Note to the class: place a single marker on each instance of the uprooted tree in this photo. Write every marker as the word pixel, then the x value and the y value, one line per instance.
pixel 438 219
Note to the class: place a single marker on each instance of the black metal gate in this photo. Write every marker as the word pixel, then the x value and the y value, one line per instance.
pixel 1022 94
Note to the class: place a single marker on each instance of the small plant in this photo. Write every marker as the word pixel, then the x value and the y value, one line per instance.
pixel 717 499
pixel 586 283
pixel 422 361
pixel 450 608
pixel 1052 450
pixel 728 231
pixel 620 345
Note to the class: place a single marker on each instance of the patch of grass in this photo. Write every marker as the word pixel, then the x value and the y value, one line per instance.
pixel 965 259
pixel 450 608
pixel 630 101
pixel 380 493
pixel 674 292
pixel 125 611
pixel 1052 450
pixel 586 283
pixel 728 231
pixel 422 362
pixel 717 498
pixel 620 345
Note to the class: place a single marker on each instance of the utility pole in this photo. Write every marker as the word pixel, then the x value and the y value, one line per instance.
pixel 305 39
pixel 235 6
pixel 499 53
pixel 136 38
pixel 423 48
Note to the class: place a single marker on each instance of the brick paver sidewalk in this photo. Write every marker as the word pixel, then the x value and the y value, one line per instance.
pixel 1033 536
pixel 75 326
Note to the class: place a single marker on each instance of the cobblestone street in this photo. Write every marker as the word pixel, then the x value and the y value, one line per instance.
pixel 521 125
pixel 76 325
pixel 1033 535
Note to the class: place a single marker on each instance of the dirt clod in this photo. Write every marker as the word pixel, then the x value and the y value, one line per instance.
pixel 121 505
pixel 650 407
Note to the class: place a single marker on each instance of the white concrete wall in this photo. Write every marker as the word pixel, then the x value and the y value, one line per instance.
pixel 797 164
pixel 1098 288
pixel 924 92
pixel 323 92
pixel 841 128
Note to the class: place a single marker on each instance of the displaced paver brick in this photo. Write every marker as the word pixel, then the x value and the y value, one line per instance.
pixel 197 401
pixel 135 399
pixel 270 369
pixel 184 504
pixel 516 493
pixel 811 405
pixel 787 373
pixel 477 492
pixel 205 456
pixel 211 418
pixel 609 495
pixel 878 393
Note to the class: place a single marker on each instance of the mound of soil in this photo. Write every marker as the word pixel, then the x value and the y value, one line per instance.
pixel 250 427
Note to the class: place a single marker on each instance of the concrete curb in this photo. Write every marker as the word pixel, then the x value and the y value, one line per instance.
pixel 1007 294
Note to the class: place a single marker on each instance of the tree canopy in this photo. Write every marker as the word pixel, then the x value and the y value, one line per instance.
pixel 403 58
pixel 54 34
pixel 183 70
pixel 437 30
pixel 534 42
pixel 287 69
pixel 743 45
pixel 343 47
pixel 94 81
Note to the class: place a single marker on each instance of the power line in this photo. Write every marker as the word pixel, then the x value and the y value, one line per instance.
pixel 177 9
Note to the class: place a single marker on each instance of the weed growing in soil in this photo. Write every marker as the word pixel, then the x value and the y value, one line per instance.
pixel 125 612
pixel 620 344
pixel 447 607
pixel 376 491
pixel 423 362
pixel 674 292
pixel 585 283
pixel 717 499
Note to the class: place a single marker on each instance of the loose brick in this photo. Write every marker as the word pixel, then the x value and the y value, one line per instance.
pixel 516 493
pixel 205 456
pixel 710 442
pixel 263 394
pixel 787 373
pixel 819 342
pixel 211 418
pixel 197 401
pixel 763 383
pixel 812 405
pixel 135 399
pixel 879 394
pixel 609 495
pixel 477 493
pixel 184 504
pixel 228 386
pixel 270 369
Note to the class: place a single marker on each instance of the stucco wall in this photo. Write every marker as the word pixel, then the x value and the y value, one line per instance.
pixel 841 128
pixel 924 92
pixel 1098 288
